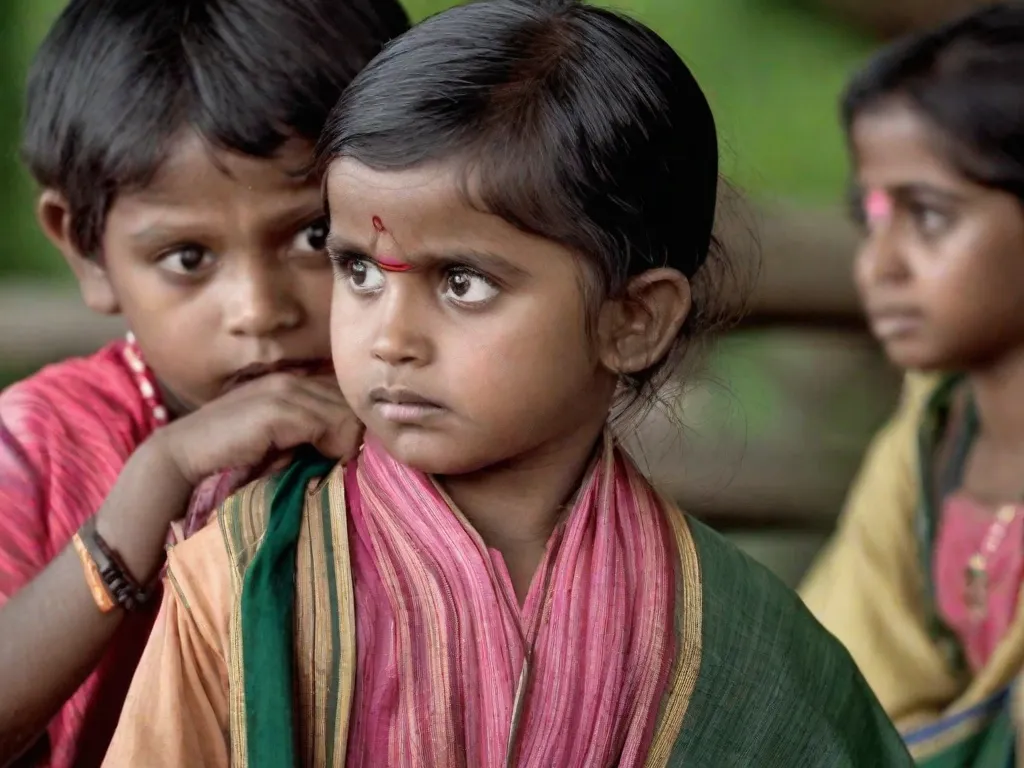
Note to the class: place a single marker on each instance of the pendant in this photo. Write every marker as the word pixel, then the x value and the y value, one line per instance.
pixel 976 594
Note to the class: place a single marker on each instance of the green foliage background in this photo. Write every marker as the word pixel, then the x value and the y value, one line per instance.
pixel 771 70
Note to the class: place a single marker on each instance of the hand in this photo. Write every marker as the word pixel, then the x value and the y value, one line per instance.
pixel 259 421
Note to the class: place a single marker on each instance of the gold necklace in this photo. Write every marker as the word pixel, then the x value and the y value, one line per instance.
pixel 977 566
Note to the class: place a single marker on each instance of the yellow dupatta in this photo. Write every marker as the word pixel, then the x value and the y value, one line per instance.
pixel 868 588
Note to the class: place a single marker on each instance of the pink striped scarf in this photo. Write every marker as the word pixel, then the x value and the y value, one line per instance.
pixel 442 641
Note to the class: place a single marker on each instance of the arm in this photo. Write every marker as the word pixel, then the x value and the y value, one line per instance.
pixel 176 714
pixel 53 634
pixel 866 587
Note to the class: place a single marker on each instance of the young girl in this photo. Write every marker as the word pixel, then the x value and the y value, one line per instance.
pixel 923 581
pixel 521 198
pixel 166 139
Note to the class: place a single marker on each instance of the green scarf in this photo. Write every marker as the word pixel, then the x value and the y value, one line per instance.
pixel 268 619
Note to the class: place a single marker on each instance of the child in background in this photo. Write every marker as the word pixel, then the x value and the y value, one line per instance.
pixel 171 142
pixel 521 198
pixel 922 582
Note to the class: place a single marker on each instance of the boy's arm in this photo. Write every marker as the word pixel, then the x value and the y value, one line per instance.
pixel 176 714
pixel 53 634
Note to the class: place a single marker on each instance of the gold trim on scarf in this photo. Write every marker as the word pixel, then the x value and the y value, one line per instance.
pixel 689 618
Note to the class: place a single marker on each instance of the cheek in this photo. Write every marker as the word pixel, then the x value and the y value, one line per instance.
pixel 534 356
pixel 862 270
pixel 346 322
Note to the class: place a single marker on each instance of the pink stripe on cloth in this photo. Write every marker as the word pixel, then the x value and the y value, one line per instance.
pixel 442 642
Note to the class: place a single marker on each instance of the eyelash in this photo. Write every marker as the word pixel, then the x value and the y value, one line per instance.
pixel 343 263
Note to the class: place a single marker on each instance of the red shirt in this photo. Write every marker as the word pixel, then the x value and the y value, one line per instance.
pixel 65 435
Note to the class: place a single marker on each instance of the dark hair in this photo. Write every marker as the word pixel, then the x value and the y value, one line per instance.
pixel 569 121
pixel 116 80
pixel 966 79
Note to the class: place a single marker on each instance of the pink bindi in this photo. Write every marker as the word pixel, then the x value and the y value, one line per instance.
pixel 878 206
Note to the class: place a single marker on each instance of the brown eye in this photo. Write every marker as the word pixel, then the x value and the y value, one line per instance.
pixel 466 287
pixel 313 238
pixel 928 220
pixel 363 276
pixel 187 260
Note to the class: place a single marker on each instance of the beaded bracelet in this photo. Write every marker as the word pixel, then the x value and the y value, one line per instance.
pixel 109 580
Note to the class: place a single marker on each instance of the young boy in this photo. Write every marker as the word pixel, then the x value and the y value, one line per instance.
pixel 171 142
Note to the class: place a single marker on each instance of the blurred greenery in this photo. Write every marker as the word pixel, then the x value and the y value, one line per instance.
pixel 771 70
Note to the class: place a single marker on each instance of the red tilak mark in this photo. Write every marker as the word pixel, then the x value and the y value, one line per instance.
pixel 378 224
pixel 392 265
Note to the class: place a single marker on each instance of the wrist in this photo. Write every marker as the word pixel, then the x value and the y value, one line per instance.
pixel 149 495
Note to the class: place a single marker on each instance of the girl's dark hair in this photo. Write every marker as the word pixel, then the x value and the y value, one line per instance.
pixel 116 80
pixel 967 80
pixel 568 121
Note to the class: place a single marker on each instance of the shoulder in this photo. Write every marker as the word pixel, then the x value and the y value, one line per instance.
pixel 77 398
pixel 198 581
pixel 768 664
pixel 243 518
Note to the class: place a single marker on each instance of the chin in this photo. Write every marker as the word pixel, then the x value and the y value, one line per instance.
pixel 430 452
pixel 916 357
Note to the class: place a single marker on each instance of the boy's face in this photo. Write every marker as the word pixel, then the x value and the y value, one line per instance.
pixel 218 268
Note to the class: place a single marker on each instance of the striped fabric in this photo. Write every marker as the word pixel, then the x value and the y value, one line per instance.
pixel 406 647
pixel 445 687
pixel 452 671
pixel 65 434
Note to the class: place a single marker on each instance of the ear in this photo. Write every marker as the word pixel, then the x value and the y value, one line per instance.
pixel 638 329
pixel 54 216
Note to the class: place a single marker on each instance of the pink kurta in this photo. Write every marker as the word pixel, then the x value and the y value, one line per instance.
pixel 965 526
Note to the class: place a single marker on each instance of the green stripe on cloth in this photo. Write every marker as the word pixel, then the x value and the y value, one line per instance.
pixel 774 689
pixel 268 619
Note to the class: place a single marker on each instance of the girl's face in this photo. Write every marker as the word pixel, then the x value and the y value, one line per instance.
pixel 460 341
pixel 941 268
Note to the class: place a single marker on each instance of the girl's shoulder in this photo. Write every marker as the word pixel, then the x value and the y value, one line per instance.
pixel 790 688
pixel 243 519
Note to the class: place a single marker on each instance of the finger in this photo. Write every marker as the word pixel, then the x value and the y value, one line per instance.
pixel 342 441
pixel 279 462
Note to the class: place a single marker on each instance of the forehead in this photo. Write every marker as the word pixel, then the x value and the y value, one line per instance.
pixel 894 146
pixel 414 197
pixel 206 181
pixel 421 206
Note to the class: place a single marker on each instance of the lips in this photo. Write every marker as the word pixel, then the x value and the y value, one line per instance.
pixel 892 323
pixel 401 405
pixel 308 367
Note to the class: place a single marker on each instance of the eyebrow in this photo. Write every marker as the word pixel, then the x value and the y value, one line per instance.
pixel 161 232
pixel 482 261
pixel 910 191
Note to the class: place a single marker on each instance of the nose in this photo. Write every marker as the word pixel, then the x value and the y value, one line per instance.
pixel 880 259
pixel 261 301
pixel 402 333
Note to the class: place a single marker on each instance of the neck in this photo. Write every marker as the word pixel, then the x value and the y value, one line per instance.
pixel 997 393
pixel 515 506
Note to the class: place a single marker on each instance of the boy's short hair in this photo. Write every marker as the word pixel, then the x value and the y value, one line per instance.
pixel 116 80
